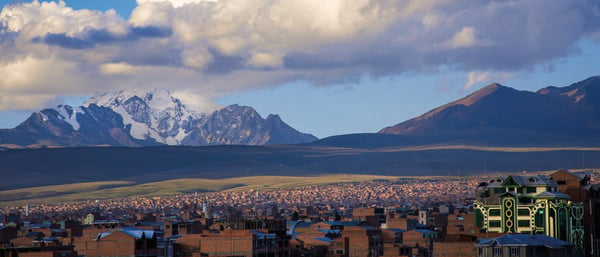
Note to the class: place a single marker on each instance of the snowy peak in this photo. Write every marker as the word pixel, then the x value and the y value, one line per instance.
pixel 160 116
pixel 64 113
pixel 157 100
pixel 155 114
pixel 142 118
pixel 236 124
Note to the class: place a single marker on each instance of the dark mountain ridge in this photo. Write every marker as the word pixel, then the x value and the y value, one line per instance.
pixel 498 114
pixel 561 124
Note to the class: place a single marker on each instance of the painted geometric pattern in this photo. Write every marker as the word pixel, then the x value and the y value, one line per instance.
pixel 544 216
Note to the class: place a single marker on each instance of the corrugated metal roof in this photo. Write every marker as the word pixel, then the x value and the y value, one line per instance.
pixel 538 180
pixel 262 235
pixel 324 239
pixel 396 230
pixel 349 223
pixel 552 194
pixel 523 240
pixel 134 232
pixel 329 231
pixel 425 231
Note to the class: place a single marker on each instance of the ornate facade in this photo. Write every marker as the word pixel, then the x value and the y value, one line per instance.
pixel 528 204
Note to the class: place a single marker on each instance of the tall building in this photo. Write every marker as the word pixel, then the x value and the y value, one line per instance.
pixel 578 186
pixel 528 204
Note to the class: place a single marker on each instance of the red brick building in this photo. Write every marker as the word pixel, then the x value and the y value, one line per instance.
pixel 578 187
pixel 456 246
pixel 229 243
pixel 120 242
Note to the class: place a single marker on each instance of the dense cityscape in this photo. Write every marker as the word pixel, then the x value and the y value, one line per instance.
pixel 441 216
pixel 278 128
pixel 404 193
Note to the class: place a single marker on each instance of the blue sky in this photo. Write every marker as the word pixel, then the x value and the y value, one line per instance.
pixel 326 67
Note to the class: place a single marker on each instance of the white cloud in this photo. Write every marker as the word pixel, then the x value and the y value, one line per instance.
pixel 474 77
pixel 485 77
pixel 464 38
pixel 39 18
pixel 156 13
pixel 266 60
pixel 30 75
pixel 30 83
pixel 219 47
pixel 175 3
pixel 196 57
pixel 24 102
pixel 117 69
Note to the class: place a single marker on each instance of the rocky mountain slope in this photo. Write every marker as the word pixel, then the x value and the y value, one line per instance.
pixel 138 118
pixel 500 114
pixel 497 115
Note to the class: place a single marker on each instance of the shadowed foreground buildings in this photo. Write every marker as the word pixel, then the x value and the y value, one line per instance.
pixel 530 205
pixel 515 215
pixel 578 186
pixel 524 245
pixel 562 205
pixel 232 243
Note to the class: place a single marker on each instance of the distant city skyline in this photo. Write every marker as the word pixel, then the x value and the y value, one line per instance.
pixel 326 68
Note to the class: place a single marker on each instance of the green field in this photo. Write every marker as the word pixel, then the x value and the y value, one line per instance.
pixel 123 189
pixel 120 189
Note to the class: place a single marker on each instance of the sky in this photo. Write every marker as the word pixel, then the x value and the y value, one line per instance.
pixel 326 67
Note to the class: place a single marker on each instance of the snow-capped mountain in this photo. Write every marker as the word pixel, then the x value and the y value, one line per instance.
pixel 156 115
pixel 69 126
pixel 236 124
pixel 142 118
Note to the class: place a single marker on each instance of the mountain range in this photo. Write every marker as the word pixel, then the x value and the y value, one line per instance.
pixel 495 129
pixel 571 110
pixel 497 115
pixel 137 118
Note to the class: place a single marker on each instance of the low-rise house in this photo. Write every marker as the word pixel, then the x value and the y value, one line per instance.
pixel 525 245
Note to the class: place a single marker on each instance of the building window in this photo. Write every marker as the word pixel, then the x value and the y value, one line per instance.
pixel 523 223
pixel 478 218
pixel 497 251
pixel 494 212
pixel 485 194
pixel 561 182
pixel 515 251
pixel 495 223
pixel 405 251
pixel 539 219
pixel 531 190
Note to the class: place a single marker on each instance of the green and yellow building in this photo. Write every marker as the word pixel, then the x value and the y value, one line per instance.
pixel 528 204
